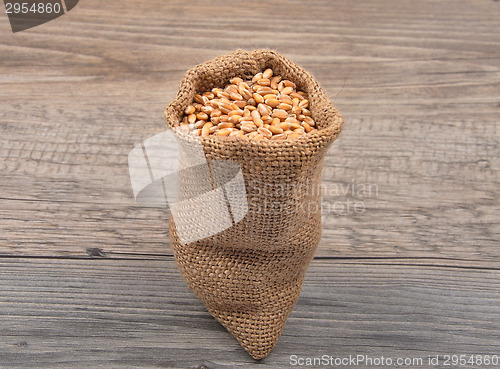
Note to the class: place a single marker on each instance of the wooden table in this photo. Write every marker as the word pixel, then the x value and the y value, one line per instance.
pixel 87 276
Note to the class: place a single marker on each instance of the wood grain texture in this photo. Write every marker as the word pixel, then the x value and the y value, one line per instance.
pixel 66 314
pixel 418 85
pixel 415 273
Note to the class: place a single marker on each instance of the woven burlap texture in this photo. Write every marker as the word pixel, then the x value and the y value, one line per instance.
pixel 250 276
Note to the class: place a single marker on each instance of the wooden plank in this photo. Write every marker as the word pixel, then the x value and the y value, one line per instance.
pixel 417 83
pixel 104 313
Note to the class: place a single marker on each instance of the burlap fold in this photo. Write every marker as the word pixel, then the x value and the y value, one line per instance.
pixel 250 275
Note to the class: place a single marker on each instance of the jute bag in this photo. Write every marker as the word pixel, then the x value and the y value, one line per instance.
pixel 250 275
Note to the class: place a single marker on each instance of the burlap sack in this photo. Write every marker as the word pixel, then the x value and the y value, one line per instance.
pixel 250 276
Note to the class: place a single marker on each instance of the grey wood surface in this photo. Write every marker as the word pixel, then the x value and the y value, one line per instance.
pixel 135 313
pixel 416 273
